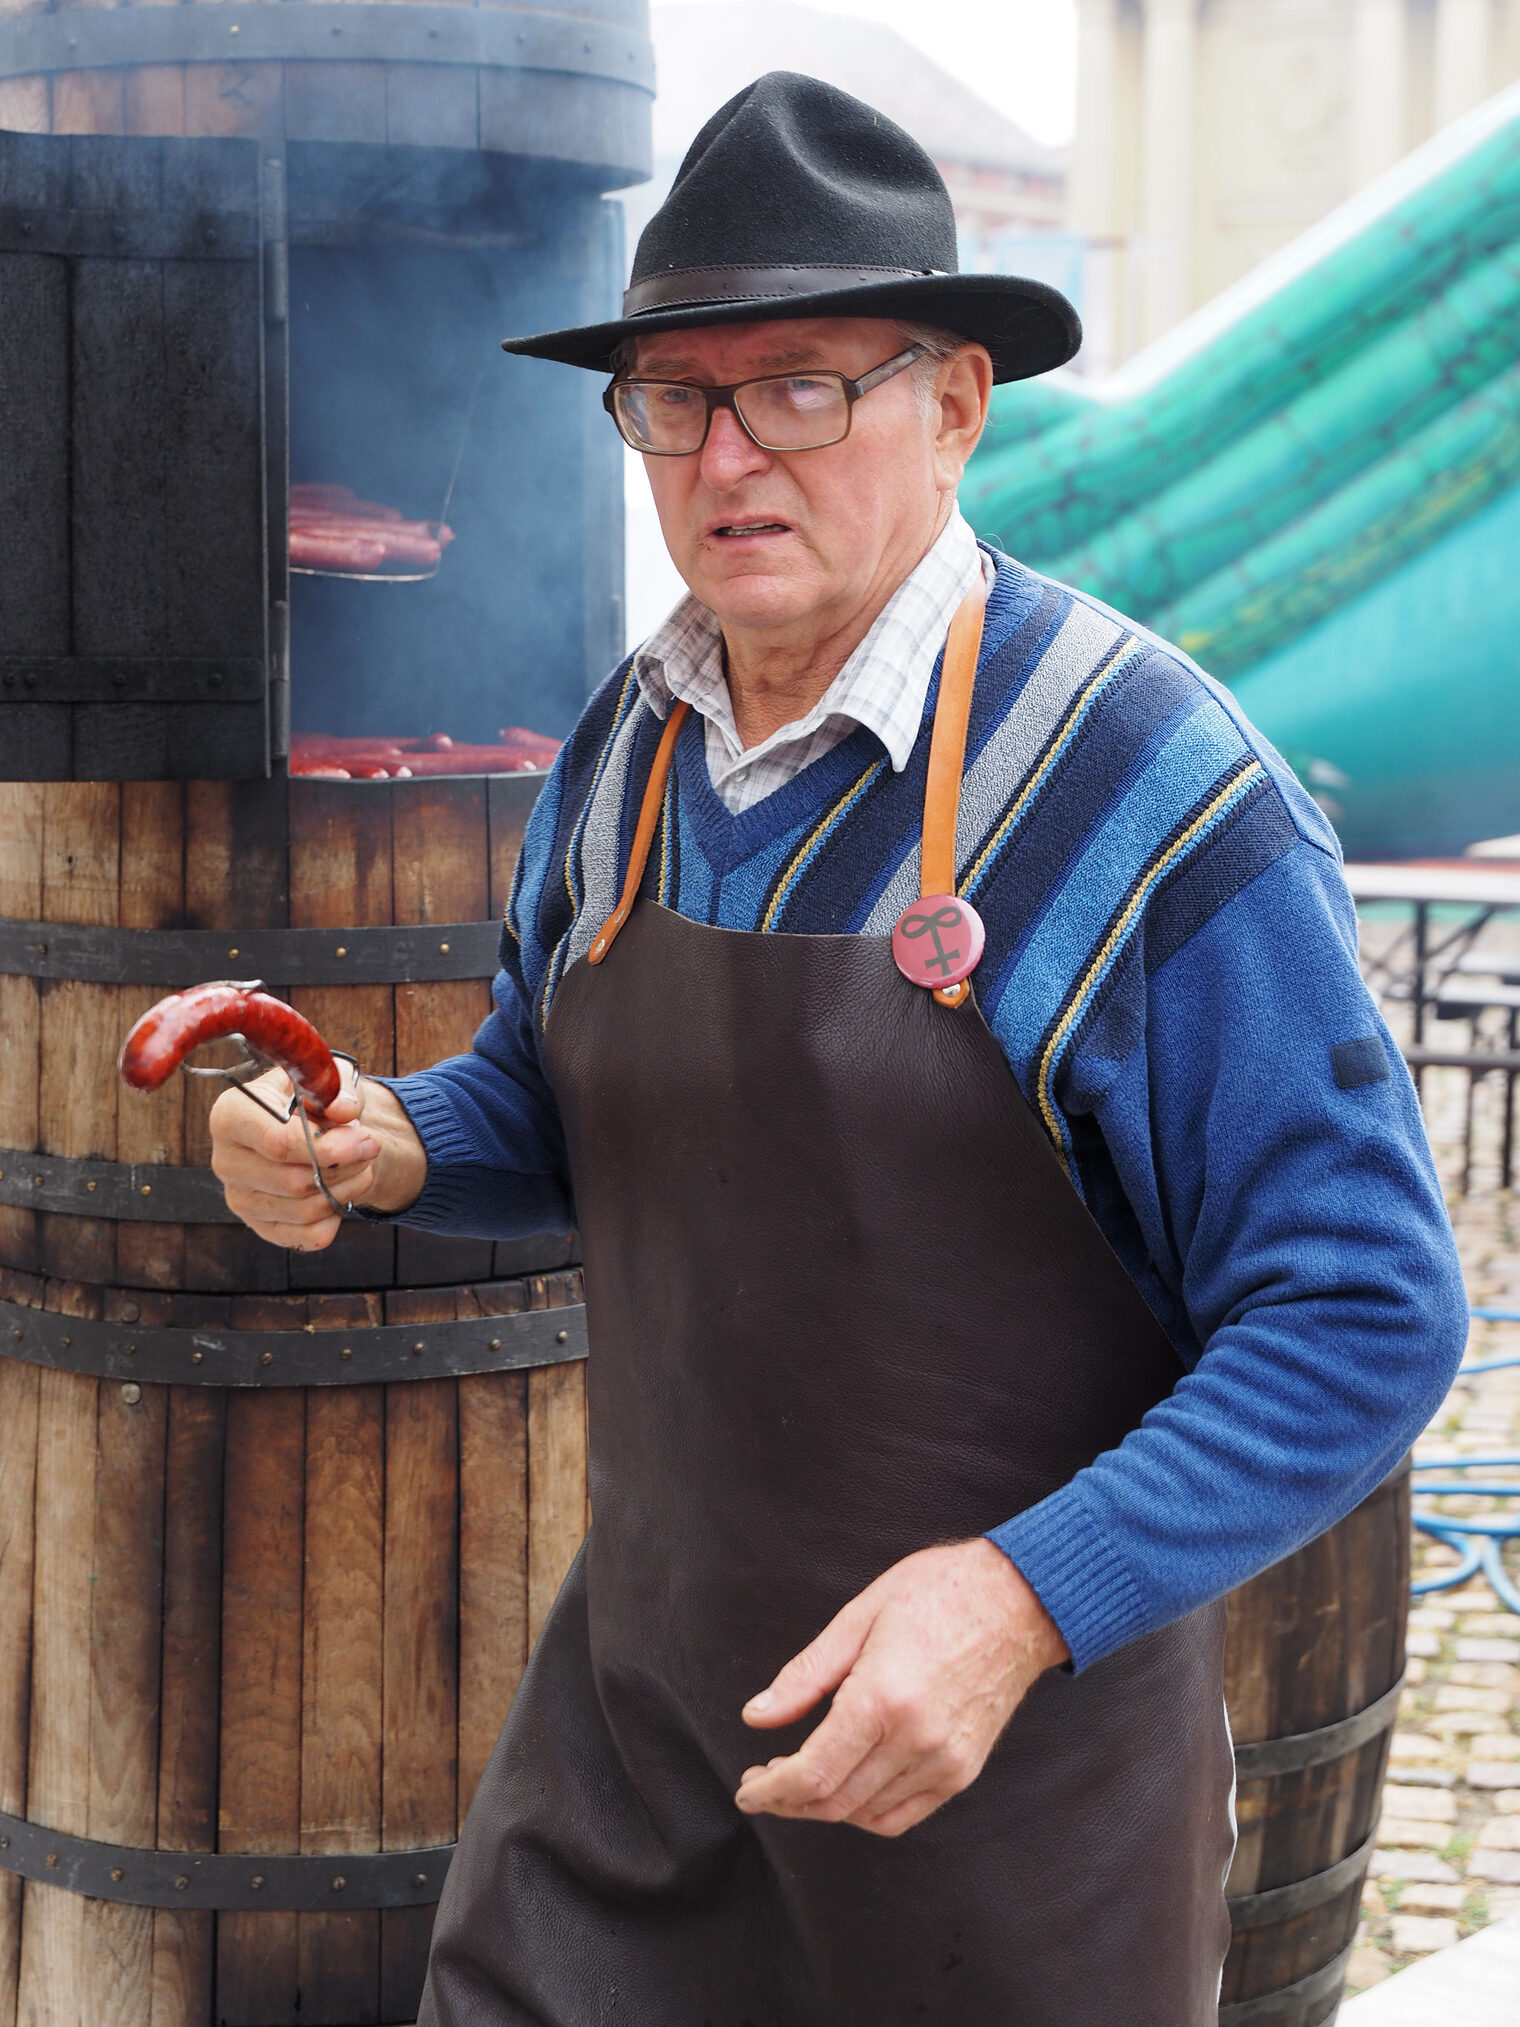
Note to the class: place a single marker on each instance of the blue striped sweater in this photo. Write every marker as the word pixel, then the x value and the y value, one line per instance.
pixel 1170 969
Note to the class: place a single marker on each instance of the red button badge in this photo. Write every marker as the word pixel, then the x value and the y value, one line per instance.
pixel 938 941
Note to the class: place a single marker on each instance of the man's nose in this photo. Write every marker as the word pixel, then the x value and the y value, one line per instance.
pixel 729 454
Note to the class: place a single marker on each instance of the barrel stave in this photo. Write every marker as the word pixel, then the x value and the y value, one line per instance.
pixel 21 900
pixel 80 1021
pixel 190 1706
pixel 55 1980
pixel 18 1475
pixel 441 873
pixel 258 1976
pixel 150 1126
pixel 493 1559
pixel 126 1618
pixel 340 872
pixel 342 1666
pixel 237 877
pixel 422 1714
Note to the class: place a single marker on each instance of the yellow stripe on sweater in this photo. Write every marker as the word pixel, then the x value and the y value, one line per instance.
pixel 1115 936
pixel 813 838
pixel 1053 753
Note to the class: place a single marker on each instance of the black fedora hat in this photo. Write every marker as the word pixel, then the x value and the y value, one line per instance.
pixel 796 200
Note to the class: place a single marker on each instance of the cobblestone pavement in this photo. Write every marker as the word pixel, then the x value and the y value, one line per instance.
pixel 1448 1856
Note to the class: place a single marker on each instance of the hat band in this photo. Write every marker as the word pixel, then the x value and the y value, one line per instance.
pixel 692 286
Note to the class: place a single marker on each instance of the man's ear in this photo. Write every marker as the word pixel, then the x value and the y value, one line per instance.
pixel 963 392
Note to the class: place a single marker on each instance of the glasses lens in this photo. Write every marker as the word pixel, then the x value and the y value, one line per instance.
pixel 795 411
pixel 660 415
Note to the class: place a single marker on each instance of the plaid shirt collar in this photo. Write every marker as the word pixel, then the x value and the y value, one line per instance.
pixel 882 686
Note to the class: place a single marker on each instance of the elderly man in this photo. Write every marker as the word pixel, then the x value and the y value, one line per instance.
pixel 1007 1225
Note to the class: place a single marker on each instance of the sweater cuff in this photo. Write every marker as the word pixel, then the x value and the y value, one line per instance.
pixel 1076 1571
pixel 451 1192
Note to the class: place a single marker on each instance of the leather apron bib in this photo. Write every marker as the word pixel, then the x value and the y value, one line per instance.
pixel 843 1304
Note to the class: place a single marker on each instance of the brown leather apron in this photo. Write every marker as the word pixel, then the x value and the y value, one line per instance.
pixel 843 1303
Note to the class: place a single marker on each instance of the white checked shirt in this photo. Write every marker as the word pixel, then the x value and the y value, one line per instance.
pixel 882 686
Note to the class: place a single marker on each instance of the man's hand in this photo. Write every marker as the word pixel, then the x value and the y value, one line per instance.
pixel 928 1664
pixel 368 1148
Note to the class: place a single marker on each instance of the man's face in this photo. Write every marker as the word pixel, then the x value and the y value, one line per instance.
pixel 796 539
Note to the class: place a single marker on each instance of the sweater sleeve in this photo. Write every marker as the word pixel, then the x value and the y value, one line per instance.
pixel 1265 1139
pixel 497 1167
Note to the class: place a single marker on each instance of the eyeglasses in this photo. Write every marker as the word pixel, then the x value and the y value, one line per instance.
pixel 783 411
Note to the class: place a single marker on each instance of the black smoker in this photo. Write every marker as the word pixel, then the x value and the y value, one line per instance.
pixel 415 183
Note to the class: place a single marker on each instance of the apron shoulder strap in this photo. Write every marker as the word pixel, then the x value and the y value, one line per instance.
pixel 643 836
pixel 947 760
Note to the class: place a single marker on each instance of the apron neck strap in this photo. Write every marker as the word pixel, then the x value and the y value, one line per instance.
pixel 942 794
pixel 643 836
pixel 947 745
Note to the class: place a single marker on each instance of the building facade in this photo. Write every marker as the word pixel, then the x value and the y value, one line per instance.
pixel 1211 132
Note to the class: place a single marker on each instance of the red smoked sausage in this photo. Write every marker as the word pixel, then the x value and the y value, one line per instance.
pixel 166 1034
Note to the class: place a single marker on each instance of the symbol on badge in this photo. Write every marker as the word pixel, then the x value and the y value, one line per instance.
pixel 938 941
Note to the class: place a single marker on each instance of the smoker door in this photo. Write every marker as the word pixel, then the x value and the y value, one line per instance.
pixel 140 633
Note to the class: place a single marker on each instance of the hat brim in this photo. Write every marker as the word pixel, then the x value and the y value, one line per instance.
pixel 1026 326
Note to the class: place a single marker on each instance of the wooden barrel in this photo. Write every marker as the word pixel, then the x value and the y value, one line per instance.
pixel 276 1531
pixel 1313 1672
pixel 269 1632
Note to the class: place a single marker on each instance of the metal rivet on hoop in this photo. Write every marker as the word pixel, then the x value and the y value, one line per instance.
pixel 266 1358
pixel 117 1873
pixel 496 1344
pixel 561 1337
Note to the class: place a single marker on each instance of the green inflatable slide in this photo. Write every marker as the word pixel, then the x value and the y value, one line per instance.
pixel 1313 487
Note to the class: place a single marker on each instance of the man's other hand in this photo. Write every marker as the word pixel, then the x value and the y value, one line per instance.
pixel 927 1666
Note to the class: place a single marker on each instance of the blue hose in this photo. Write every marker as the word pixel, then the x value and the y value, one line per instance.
pixel 1478 1541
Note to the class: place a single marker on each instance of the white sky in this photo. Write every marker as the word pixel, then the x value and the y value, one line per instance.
pixel 1020 55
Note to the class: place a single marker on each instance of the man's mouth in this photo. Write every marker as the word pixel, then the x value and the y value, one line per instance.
pixel 729 529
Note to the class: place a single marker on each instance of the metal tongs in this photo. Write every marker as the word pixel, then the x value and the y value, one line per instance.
pixel 253 1064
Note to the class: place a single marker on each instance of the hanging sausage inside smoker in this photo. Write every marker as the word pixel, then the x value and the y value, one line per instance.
pixel 335 759
pixel 333 531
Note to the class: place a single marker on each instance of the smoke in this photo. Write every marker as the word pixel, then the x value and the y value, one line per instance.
pixel 407 269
